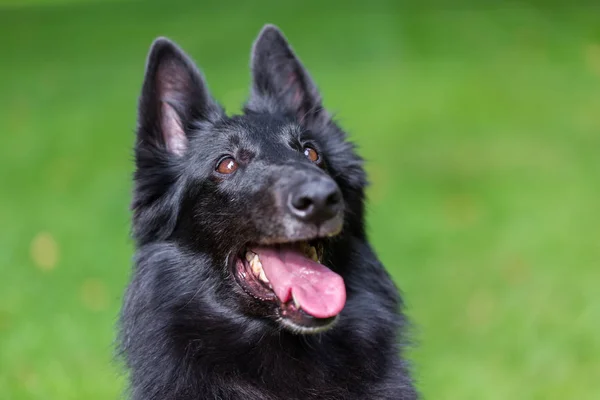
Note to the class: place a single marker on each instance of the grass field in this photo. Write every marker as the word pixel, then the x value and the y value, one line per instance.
pixel 481 127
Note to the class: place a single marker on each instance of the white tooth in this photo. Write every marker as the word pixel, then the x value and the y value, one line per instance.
pixel 296 302
pixel 262 276
pixel 249 256
pixel 312 253
pixel 256 265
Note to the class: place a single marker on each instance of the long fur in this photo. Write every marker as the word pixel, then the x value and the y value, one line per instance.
pixel 187 331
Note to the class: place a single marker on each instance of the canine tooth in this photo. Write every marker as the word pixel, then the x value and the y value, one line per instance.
pixel 296 302
pixel 249 256
pixel 262 276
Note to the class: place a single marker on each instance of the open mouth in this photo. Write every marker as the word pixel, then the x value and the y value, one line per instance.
pixel 308 295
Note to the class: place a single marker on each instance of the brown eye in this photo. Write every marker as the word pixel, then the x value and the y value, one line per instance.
pixel 227 166
pixel 311 154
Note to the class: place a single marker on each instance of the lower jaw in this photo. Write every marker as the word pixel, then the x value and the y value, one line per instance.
pixel 286 316
pixel 302 323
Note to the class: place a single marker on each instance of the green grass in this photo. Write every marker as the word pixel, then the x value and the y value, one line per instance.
pixel 481 127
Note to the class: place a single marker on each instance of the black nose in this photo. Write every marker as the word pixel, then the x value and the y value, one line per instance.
pixel 315 202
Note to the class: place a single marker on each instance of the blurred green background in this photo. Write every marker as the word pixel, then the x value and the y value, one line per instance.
pixel 480 125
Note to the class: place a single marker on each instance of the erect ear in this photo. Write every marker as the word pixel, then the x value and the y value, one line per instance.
pixel 279 80
pixel 173 95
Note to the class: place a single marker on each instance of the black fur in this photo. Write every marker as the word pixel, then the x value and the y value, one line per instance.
pixel 187 329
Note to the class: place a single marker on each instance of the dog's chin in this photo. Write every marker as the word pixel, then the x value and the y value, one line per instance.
pixel 297 321
pixel 283 305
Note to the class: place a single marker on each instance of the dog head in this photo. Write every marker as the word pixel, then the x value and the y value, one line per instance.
pixel 265 195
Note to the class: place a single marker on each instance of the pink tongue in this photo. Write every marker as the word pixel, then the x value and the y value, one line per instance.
pixel 319 291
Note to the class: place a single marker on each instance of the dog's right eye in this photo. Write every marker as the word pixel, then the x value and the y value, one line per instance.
pixel 226 165
pixel 311 154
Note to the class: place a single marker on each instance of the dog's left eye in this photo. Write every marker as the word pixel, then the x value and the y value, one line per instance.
pixel 227 165
pixel 311 154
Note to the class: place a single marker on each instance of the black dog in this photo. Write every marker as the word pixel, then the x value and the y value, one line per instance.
pixel 253 279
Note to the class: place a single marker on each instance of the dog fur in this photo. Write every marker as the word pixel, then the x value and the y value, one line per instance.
pixel 187 329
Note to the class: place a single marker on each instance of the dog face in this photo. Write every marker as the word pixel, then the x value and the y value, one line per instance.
pixel 264 195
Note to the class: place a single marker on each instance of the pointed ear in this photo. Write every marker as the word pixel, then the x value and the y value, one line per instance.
pixel 173 95
pixel 279 80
